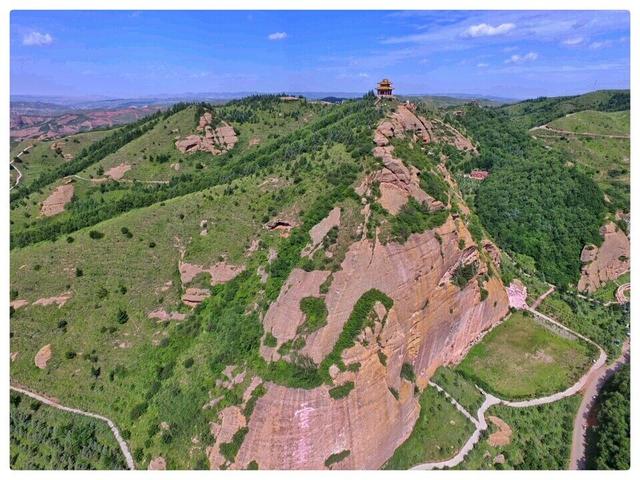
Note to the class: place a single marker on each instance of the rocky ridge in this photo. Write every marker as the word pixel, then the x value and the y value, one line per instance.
pixel 433 321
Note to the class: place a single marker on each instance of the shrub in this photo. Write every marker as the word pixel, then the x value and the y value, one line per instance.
pixel 122 317
pixel 341 391
pixel 336 457
pixel 315 311
pixel 407 372
pixel 95 235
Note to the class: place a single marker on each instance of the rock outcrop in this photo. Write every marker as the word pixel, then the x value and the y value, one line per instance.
pixel 208 139
pixel 43 356
pixel 429 325
pixel 607 262
pixel 432 322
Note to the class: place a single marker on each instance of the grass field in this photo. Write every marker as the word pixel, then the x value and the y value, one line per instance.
pixel 438 434
pixel 541 438
pixel 44 438
pixel 521 358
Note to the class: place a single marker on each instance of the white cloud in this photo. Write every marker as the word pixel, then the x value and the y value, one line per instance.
pixel 572 42
pixel 277 36
pixel 37 39
pixel 603 44
pixel 486 30
pixel 529 57
pixel 482 65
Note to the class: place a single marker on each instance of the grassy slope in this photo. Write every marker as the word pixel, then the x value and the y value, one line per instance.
pixel 42 157
pixel 521 358
pixel 267 125
pixel 532 113
pixel 43 437
pixel 541 438
pixel 438 434
pixel 592 121
pixel 114 260
pixel 607 160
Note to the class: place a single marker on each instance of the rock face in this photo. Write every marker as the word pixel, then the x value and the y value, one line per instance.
pixel 517 293
pixel 405 122
pixel 214 140
pixel 195 296
pixel 432 322
pixel 117 172
pixel 54 204
pixel 220 272
pixel 319 231
pixel 607 262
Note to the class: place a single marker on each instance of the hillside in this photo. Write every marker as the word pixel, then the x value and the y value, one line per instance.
pixel 532 113
pixel 273 282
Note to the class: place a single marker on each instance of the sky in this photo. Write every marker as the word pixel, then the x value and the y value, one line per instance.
pixel 126 54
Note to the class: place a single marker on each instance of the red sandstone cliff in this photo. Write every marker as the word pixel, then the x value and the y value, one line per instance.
pixel 432 322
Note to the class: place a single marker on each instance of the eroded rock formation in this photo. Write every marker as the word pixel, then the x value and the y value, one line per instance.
pixel 208 139
pixel 607 262
pixel 434 320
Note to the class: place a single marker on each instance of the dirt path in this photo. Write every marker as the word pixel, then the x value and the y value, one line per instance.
pixel 591 392
pixel 123 445
pixel 591 382
pixel 541 298
pixel 26 149
pixel 547 128
pixel 121 180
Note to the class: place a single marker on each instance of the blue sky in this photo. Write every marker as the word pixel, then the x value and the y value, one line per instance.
pixel 514 54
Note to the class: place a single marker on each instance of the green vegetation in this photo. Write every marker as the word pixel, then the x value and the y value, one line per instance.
pixel 341 391
pixel 532 113
pixel 541 438
pixel 522 358
pixel 607 326
pixel 607 292
pixel 612 433
pixel 459 387
pixel 230 450
pixel 43 438
pixel 533 203
pixel 336 457
pixel 315 312
pixel 414 217
pixel 359 319
pixel 407 372
pixel 439 433
pixel 606 160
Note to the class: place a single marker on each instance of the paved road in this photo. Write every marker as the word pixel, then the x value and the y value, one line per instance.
pixel 112 426
pixel 591 391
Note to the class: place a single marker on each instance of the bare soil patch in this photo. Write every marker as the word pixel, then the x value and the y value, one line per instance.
pixel 54 204
pixel 503 436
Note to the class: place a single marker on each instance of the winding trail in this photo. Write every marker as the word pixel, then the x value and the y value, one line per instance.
pixel 116 433
pixel 591 382
pixel 547 128
pixel 19 177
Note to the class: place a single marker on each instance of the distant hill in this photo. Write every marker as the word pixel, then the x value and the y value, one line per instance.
pixel 539 111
